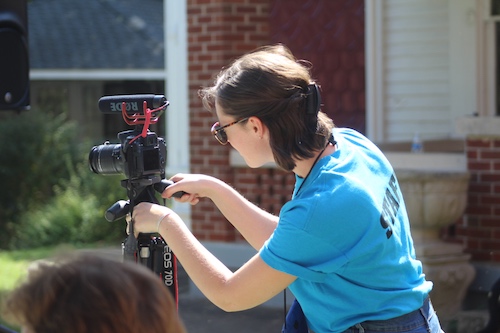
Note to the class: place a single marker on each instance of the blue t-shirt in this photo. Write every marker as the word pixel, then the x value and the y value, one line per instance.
pixel 346 236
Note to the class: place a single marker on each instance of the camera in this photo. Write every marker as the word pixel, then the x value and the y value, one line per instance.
pixel 136 159
pixel 140 153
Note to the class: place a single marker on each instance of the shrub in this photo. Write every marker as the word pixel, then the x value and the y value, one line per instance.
pixel 75 214
pixel 49 195
pixel 36 150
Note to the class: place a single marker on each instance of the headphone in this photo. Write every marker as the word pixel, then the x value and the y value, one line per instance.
pixel 313 99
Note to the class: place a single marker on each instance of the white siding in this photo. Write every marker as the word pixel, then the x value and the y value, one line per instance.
pixel 416 69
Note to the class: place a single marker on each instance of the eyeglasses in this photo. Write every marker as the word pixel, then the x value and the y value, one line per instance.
pixel 219 132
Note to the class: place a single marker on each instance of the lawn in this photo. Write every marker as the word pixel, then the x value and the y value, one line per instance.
pixel 14 266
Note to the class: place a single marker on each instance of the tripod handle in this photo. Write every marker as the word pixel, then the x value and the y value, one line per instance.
pixel 163 184
pixel 117 211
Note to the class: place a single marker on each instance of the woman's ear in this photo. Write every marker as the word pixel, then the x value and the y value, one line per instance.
pixel 257 126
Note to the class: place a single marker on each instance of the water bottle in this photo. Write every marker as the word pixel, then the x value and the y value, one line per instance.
pixel 416 145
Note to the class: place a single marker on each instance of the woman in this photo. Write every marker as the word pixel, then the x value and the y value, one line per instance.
pixel 87 293
pixel 342 244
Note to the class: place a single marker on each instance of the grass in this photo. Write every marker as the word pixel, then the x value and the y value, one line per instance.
pixel 14 266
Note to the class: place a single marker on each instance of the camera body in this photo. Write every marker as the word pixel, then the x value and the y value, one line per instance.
pixel 137 159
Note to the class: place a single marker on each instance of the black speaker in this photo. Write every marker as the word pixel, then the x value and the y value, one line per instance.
pixel 14 58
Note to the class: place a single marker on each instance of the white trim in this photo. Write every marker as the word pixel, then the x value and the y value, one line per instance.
pixel 485 9
pixel 177 85
pixel 490 70
pixel 374 70
pixel 427 162
pixel 97 74
pixel 486 53
pixel 481 101
pixel 478 126
pixel 462 59
pixel 177 92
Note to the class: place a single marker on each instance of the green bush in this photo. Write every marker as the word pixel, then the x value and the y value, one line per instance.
pixel 36 150
pixel 49 195
pixel 75 214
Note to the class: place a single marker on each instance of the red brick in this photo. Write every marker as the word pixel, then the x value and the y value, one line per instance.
pixel 472 154
pixel 490 154
pixel 491 199
pixel 357 79
pixel 496 143
pixel 479 188
pixel 490 177
pixel 478 143
pixel 491 245
pixel 493 223
pixel 481 256
pixel 478 210
pixel 479 165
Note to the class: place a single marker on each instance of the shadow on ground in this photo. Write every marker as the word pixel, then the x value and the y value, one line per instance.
pixel 201 316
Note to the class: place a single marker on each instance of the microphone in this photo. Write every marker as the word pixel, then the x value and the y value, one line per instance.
pixel 134 103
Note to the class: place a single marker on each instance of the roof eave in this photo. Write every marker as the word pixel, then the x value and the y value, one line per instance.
pixel 96 74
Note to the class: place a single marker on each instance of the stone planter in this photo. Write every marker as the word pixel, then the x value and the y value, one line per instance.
pixel 436 199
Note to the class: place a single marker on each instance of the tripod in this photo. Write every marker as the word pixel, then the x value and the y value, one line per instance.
pixel 147 249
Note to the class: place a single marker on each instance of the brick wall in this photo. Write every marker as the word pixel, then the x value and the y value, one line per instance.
pixel 220 30
pixel 479 229
pixel 331 35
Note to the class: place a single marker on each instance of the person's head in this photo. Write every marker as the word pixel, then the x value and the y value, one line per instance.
pixel 91 294
pixel 271 86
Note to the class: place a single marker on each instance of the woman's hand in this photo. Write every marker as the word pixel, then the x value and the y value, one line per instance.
pixel 195 186
pixel 148 217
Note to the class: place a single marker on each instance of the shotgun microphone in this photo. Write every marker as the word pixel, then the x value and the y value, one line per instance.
pixel 133 103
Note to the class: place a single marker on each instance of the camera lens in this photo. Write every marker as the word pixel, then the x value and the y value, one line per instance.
pixel 106 159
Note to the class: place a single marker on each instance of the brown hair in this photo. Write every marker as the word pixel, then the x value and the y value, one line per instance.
pixel 271 84
pixel 91 294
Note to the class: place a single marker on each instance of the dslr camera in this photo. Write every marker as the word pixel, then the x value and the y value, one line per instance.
pixel 141 154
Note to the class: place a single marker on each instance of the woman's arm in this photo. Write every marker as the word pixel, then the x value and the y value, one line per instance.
pixel 251 285
pixel 255 224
